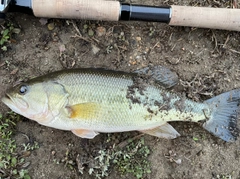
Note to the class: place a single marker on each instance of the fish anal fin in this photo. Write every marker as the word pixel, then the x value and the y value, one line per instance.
pixel 164 131
pixel 83 110
pixel 83 133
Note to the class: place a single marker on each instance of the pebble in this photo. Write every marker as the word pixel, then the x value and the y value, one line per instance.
pixel 16 30
pixel 51 26
pixel 178 161
pixel 101 31
pixel 62 48
pixel 137 57
pixel 43 21
pixel 26 154
pixel 95 49
pixel 138 38
pixel 25 165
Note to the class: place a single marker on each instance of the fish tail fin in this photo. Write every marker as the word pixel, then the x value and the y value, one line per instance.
pixel 225 112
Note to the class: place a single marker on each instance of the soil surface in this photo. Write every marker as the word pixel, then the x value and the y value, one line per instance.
pixel 205 60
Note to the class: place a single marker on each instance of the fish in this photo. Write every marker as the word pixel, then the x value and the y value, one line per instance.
pixel 89 101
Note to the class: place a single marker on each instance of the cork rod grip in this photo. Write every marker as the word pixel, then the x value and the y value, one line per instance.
pixel 203 17
pixel 77 9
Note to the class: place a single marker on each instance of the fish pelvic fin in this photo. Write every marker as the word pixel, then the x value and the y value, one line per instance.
pixel 164 131
pixel 83 133
pixel 225 112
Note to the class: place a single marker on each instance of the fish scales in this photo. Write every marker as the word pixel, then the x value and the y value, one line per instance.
pixel 118 112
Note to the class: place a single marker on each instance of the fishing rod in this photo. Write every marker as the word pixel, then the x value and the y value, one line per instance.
pixel 107 10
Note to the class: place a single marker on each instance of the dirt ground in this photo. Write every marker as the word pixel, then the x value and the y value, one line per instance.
pixel 206 61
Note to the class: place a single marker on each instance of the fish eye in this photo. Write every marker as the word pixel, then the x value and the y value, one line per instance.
pixel 23 89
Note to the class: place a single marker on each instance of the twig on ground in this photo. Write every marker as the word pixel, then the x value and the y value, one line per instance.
pixel 126 142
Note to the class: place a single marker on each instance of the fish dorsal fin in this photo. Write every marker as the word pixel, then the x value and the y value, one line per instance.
pixel 83 133
pixel 160 75
pixel 165 131
pixel 83 110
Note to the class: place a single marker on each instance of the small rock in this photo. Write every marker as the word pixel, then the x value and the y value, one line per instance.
pixel 178 161
pixel 101 31
pixel 25 165
pixel 16 30
pixel 53 152
pixel 51 26
pixel 70 162
pixel 95 49
pixel 137 57
pixel 133 62
pixel 138 38
pixel 62 48
pixel 43 21
pixel 26 154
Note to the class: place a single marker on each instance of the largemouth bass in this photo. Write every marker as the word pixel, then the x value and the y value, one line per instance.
pixel 89 101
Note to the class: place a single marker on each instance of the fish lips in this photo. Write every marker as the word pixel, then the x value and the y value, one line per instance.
pixel 7 100
pixel 16 104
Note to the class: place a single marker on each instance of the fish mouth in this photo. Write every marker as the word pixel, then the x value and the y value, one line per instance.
pixel 13 104
pixel 7 96
pixel 7 99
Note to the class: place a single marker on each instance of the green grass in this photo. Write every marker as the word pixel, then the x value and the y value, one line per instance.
pixel 122 153
pixel 10 162
pixel 5 35
pixel 128 158
pixel 132 159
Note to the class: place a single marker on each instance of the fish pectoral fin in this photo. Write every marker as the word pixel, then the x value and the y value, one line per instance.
pixel 83 133
pixel 83 110
pixel 160 75
pixel 164 131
